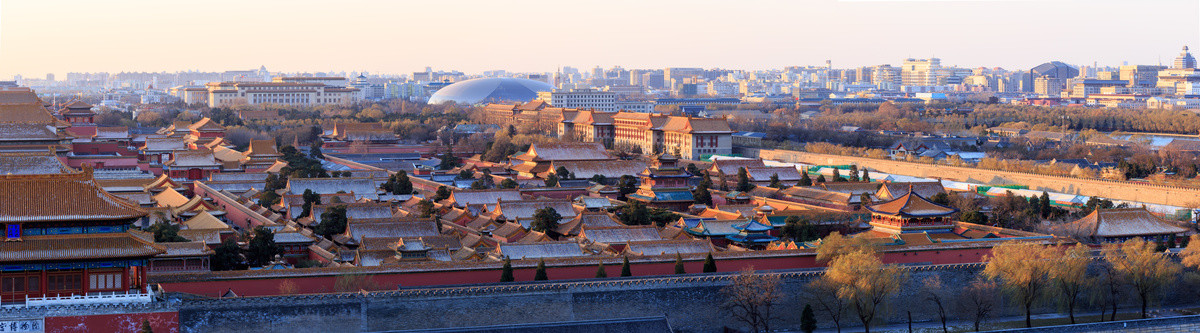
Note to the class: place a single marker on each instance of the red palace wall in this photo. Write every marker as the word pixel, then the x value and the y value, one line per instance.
pixel 424 185
pixel 232 214
pixel 322 280
pixel 219 134
pixel 164 322
pixel 425 151
pixel 110 162
pixel 94 148
pixel 555 192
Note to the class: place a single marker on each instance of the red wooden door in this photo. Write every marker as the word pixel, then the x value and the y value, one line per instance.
pixel 15 286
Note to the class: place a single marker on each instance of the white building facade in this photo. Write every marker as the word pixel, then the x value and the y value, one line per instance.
pixel 586 99
pixel 224 94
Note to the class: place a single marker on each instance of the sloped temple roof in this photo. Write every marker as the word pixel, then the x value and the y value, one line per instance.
pixel 912 204
pixel 60 197
pixel 1122 223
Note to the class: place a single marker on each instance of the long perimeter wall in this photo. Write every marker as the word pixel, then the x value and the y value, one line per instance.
pixel 324 280
pixel 690 304
pixel 1165 195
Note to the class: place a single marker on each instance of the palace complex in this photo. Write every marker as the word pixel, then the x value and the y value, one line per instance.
pixel 87 212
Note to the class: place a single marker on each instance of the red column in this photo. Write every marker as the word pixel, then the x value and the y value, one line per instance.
pixel 44 284
pixel 84 281
pixel 125 279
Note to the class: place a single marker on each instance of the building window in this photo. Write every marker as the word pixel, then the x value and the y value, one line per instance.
pixel 16 284
pixel 104 281
pixel 12 231
pixel 65 282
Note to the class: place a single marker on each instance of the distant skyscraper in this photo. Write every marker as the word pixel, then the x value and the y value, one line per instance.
pixel 635 77
pixel 653 80
pixel 1184 60
pixel 1048 86
pixel 1182 77
pixel 1141 75
pixel 863 75
pixel 920 72
pixel 886 77
pixel 676 73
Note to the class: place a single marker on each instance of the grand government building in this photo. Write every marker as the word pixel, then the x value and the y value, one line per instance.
pixel 282 90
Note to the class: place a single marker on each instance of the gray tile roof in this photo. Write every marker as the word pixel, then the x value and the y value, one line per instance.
pixel 621 235
pixel 361 187
pixel 523 211
pixel 661 247
pixel 358 210
pixel 610 169
pixel 465 198
pixel 31 164
pixel 565 249
pixel 569 151
pixel 408 229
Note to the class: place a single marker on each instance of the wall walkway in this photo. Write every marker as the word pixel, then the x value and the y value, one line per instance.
pixel 1159 194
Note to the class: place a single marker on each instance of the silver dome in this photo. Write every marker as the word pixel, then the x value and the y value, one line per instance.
pixel 490 90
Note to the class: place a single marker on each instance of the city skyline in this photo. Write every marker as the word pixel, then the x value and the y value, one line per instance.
pixel 539 36
pixel 535 165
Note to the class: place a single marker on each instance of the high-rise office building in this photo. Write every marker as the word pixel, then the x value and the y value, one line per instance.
pixel 635 77
pixel 679 73
pixel 653 80
pixel 920 72
pixel 863 75
pixel 1184 60
pixel 886 77
pixel 1141 75
pixel 1048 86
pixel 1182 78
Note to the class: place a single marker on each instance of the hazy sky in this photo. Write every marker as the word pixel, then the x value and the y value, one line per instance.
pixel 53 36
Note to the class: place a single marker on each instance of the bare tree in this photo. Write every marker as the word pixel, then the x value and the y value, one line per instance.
pixel 1109 291
pixel 749 298
pixel 935 292
pixel 977 301
pixel 823 291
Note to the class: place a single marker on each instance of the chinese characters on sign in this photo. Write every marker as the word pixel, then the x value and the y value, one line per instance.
pixel 21 325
